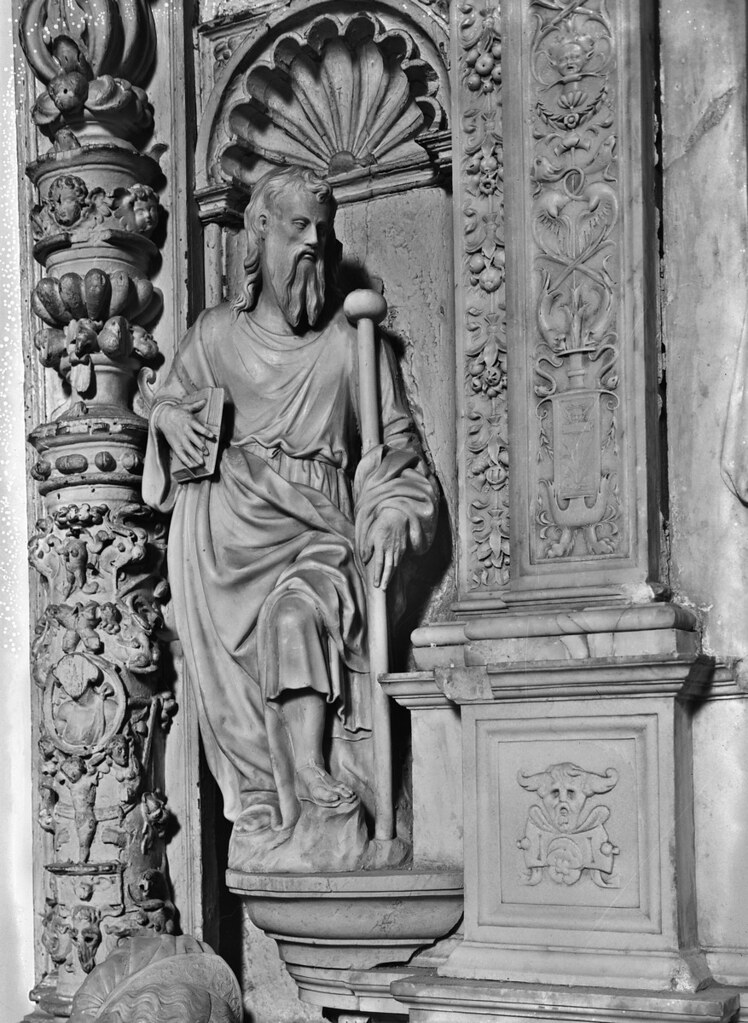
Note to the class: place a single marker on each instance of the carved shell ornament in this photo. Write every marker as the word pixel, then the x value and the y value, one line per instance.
pixel 344 97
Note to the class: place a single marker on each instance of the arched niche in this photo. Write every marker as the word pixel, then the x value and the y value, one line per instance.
pixel 361 96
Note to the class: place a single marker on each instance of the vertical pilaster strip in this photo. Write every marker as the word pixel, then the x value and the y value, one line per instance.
pixel 581 299
pixel 481 338
pixel 99 552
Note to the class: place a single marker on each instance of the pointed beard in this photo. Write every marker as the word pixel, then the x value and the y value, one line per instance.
pixel 301 290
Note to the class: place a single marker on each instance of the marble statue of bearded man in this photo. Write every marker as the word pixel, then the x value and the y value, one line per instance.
pixel 266 557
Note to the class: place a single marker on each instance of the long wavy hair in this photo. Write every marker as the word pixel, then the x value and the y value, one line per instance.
pixel 264 196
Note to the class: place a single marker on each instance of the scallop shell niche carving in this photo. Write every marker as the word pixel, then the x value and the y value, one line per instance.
pixel 341 98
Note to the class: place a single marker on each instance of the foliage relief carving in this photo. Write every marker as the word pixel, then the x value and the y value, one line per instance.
pixel 481 169
pixel 575 219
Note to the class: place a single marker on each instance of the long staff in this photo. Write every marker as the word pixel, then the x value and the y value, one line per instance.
pixel 365 308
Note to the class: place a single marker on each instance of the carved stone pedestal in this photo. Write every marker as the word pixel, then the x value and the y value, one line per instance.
pixel 577 797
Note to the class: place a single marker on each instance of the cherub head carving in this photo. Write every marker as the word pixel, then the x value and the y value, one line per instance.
pixel 66 198
pixel 291 244
pixel 138 210
pixel 571 51
pixel 564 789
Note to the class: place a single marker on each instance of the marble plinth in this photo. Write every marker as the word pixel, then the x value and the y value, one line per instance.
pixel 579 856
pixel 577 793
pixel 438 1000
pixel 572 635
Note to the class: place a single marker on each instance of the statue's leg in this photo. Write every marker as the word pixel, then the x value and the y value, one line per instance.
pixel 304 716
pixel 303 694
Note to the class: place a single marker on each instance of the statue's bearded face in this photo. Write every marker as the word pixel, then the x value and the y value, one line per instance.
pixel 296 230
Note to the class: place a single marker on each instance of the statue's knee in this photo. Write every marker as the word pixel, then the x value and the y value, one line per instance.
pixel 293 614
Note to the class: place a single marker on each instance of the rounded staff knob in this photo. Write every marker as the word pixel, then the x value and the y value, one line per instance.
pixel 365 304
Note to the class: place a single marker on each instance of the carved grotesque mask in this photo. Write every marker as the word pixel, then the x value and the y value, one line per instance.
pixel 563 798
pixel 87 936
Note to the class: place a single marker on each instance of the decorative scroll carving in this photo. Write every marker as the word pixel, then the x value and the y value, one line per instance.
pixel 574 222
pixel 561 840
pixel 484 320
pixel 345 95
pixel 96 660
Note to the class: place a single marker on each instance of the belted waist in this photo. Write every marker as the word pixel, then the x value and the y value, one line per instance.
pixel 319 474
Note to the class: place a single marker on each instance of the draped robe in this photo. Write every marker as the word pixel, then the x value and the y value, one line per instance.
pixel 277 518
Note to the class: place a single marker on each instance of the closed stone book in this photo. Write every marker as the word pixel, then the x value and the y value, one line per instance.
pixel 210 415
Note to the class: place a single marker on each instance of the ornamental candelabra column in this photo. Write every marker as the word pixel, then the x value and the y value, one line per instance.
pixel 103 705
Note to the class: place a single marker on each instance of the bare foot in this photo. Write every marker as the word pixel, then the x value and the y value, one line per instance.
pixel 316 786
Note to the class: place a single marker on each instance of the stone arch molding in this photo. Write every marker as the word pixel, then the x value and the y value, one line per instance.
pixel 353 95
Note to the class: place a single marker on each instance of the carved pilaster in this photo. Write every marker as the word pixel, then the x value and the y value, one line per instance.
pixel 481 303
pixel 582 371
pixel 97 550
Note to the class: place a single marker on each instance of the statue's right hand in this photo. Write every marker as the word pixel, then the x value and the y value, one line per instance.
pixel 184 433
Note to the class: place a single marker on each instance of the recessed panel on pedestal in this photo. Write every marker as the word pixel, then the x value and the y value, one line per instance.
pixel 577 833
pixel 563 833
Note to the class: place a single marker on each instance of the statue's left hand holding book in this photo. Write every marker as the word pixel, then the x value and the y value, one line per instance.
pixel 210 415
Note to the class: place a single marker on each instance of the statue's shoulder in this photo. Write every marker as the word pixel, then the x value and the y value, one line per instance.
pixel 212 324
pixel 217 318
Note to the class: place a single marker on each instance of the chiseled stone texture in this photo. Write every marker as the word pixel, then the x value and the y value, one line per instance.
pixel 269 993
pixel 705 227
